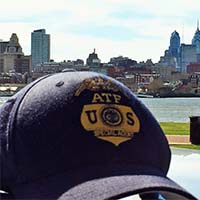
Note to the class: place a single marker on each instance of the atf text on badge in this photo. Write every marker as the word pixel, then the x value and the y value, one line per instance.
pixel 104 114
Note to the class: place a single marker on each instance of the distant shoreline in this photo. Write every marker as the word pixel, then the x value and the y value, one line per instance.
pixel 7 94
pixel 168 95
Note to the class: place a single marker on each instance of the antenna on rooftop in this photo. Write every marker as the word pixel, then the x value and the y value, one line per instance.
pixel 183 33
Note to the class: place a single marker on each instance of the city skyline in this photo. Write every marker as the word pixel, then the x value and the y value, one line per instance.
pixel 134 28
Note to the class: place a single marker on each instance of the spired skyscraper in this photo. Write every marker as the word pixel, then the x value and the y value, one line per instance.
pixel 180 55
pixel 40 47
pixel 196 40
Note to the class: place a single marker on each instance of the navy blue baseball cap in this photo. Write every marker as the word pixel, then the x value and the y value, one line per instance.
pixel 82 135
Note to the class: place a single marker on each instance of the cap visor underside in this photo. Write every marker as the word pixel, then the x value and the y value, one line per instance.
pixel 113 187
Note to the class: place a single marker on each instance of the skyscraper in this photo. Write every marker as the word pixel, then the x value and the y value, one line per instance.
pixel 196 37
pixel 40 47
pixel 196 40
pixel 174 48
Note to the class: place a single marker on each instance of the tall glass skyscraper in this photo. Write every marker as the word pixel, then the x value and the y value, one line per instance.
pixel 174 47
pixel 40 47
pixel 196 39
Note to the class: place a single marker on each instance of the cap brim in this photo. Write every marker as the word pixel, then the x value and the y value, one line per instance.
pixel 113 187
pixel 122 186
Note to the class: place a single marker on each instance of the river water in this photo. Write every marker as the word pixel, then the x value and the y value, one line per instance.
pixel 173 109
pixel 167 109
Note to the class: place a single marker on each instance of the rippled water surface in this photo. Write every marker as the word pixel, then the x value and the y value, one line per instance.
pixel 173 109
pixel 167 109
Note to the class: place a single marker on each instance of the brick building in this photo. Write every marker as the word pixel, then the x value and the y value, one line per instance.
pixel 193 67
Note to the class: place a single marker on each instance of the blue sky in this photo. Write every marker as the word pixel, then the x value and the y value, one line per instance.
pixel 139 29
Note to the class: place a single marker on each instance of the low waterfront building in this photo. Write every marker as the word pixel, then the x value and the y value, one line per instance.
pixel 195 80
pixel 122 61
pixel 164 71
pixel 11 78
pixel 193 67
pixel 55 67
pixel 114 71
pixel 102 70
pixel 129 81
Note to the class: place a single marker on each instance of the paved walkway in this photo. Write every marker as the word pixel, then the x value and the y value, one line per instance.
pixel 178 139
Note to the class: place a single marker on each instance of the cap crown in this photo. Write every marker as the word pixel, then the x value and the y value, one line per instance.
pixel 78 120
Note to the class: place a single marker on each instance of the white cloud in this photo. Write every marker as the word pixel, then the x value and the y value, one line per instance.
pixel 80 46
pixel 151 21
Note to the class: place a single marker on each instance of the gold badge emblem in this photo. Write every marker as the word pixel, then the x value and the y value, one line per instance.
pixel 113 123
pixel 105 115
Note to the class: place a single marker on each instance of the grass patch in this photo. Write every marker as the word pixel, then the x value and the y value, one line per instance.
pixel 175 128
pixel 186 146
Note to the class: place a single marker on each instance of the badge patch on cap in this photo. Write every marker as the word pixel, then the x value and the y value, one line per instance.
pixel 106 116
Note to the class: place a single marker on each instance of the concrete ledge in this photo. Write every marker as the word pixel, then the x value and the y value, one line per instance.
pixel 178 139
